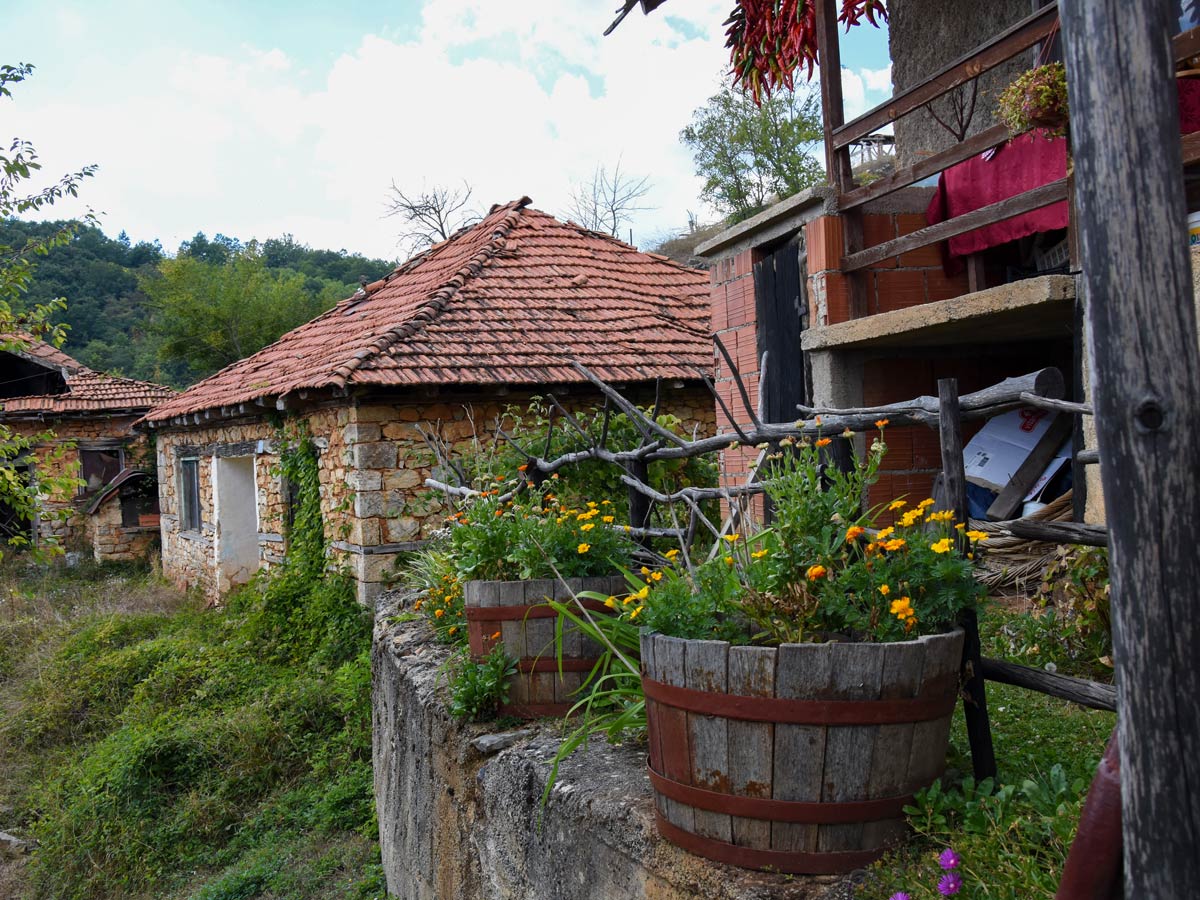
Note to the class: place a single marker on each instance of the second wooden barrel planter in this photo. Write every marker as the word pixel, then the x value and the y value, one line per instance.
pixel 798 758
pixel 515 614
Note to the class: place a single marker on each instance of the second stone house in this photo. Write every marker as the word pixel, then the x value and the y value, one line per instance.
pixel 491 317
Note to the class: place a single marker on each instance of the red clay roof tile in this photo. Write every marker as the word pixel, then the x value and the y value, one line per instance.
pixel 511 300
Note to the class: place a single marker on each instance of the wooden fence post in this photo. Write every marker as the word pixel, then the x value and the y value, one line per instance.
pixel 954 487
pixel 1146 388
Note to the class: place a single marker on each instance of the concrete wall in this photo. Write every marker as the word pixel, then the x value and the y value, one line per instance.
pixel 373 466
pixel 926 35
pixel 460 813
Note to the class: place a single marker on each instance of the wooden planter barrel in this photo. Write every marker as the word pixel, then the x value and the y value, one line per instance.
pixel 798 758
pixel 517 612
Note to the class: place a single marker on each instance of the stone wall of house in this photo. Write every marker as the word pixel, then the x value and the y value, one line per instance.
pixel 55 457
pixel 113 541
pixel 373 464
pixel 924 37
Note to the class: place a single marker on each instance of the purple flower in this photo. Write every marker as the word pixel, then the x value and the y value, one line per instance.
pixel 949 859
pixel 899 895
pixel 950 884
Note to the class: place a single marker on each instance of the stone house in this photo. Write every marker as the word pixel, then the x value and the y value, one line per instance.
pixel 90 415
pixel 491 317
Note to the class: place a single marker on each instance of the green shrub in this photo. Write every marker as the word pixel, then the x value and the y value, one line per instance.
pixel 478 688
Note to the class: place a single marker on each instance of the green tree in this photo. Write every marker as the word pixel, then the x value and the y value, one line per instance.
pixel 20 493
pixel 749 154
pixel 209 315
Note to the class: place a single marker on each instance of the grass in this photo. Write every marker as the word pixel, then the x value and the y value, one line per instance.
pixel 1013 836
pixel 156 748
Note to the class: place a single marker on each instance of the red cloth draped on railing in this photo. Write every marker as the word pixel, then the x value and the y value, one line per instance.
pixel 1024 163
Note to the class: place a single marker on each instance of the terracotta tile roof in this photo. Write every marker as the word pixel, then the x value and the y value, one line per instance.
pixel 87 390
pixel 511 300
pixel 40 352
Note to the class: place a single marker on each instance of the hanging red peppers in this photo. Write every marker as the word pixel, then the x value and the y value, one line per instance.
pixel 771 40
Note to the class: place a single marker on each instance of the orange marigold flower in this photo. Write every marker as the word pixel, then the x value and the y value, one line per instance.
pixel 583 548
pixel 824 442
pixel 439 613
pixel 896 504
pixel 884 589
pixel 495 635
pixel 815 572
pixel 523 468
pixel 880 423
pixel 894 545
pixel 499 513
pixel 854 532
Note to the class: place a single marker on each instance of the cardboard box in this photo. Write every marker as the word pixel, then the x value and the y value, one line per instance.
pixel 992 457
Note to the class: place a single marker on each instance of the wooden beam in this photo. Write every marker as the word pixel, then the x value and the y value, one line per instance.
pixel 1054 192
pixel 930 165
pixel 954 488
pixel 1186 45
pixel 1008 501
pixel 1059 532
pixel 1145 364
pixel 1092 694
pixel 1191 148
pixel 1002 47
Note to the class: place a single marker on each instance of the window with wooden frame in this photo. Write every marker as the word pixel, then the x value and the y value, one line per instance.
pixel 98 466
pixel 189 494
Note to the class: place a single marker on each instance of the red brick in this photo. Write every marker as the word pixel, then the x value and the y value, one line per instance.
pixel 877 230
pixel 940 287
pixel 823 238
pixel 718 300
pixel 837 298
pixel 899 289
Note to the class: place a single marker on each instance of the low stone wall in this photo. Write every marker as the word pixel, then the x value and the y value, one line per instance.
pixel 460 815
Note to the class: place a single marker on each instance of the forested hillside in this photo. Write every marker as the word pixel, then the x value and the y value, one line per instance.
pixel 136 310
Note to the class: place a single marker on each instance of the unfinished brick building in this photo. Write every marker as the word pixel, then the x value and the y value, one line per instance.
pixel 490 317
pixel 91 415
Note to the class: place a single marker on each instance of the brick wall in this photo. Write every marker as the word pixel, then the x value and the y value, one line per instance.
pixel 899 282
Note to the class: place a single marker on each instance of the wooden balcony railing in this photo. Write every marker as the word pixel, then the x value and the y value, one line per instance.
pixel 839 135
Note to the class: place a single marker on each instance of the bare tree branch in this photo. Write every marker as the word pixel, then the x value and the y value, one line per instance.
pixel 607 202
pixel 431 215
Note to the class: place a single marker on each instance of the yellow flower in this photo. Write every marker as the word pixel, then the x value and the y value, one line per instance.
pixel 583 548
pixel 611 602
pixel 732 537
pixel 607 520
pixel 897 504
pixel 853 533
pixel 912 516
pixel 729 560
pixel 759 554
pixel 628 528
pixel 588 527
pixel 886 532
pixel 909 623
pixel 942 546
pixel 452 629
pixel 643 593
pixel 656 576
pixel 591 504
pixel 944 516
pixel 606 503
pixel 671 554
pixel 439 613
pixel 824 442
pixel 628 600
pixel 815 572
pixel 978 535
pixel 894 545
pixel 418 604
pixel 645 570
pixel 884 589
pixel 901 607
pixel 928 501
pixel 960 526
pixel 637 610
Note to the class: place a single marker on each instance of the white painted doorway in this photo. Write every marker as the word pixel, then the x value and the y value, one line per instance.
pixel 236 514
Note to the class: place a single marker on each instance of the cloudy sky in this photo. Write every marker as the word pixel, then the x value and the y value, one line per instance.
pixel 265 118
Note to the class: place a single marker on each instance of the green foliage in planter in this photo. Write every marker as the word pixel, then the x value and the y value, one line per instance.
pixel 478 688
pixel 542 430
pixel 822 569
pixel 434 572
pixel 537 536
pixel 1035 99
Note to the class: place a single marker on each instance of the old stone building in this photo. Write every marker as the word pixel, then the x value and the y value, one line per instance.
pixel 491 317
pixel 88 417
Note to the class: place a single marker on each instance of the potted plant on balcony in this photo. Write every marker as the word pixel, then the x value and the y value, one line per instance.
pixel 514 556
pixel 799 685
pixel 1036 99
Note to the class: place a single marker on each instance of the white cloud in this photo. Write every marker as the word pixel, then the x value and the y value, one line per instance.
pixel 513 103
